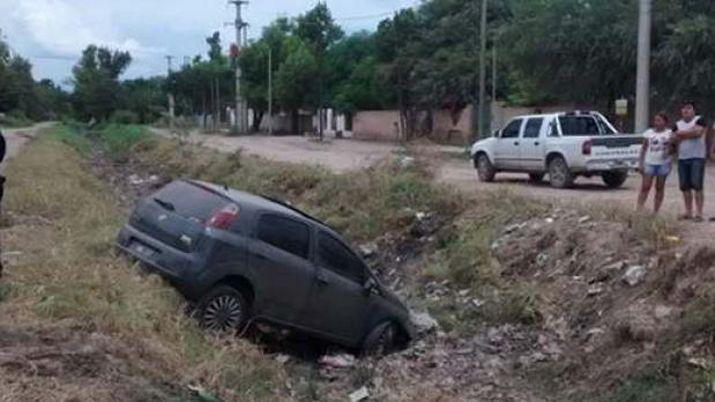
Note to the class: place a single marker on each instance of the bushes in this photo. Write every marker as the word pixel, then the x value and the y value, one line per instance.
pixel 118 140
pixel 124 117
pixel 15 118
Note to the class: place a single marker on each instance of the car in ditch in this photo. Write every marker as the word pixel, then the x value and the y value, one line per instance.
pixel 562 145
pixel 241 258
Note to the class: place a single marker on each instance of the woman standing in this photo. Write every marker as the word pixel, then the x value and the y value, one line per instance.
pixel 655 160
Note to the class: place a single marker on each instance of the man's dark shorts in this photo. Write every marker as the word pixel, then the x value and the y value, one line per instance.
pixel 692 174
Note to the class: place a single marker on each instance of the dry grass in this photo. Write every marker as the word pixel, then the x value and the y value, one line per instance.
pixel 65 222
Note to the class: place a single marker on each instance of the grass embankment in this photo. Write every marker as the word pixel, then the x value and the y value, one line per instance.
pixel 64 224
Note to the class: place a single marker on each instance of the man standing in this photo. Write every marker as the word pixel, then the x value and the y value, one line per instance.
pixel 690 133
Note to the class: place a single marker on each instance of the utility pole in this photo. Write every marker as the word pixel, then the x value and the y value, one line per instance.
pixel 494 71
pixel 241 111
pixel 482 69
pixel 169 58
pixel 270 91
pixel 643 78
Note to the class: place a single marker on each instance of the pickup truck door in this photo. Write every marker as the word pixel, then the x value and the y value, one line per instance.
pixel 507 150
pixel 532 144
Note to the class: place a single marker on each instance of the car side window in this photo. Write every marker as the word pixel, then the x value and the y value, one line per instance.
pixel 533 128
pixel 553 129
pixel 337 257
pixel 512 129
pixel 284 233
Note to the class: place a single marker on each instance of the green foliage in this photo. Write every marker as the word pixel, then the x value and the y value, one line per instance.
pixel 296 80
pixel 124 117
pixel 145 98
pixel 118 139
pixel 16 118
pixel 97 89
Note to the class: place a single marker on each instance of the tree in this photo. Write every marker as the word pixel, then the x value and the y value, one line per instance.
pixel 145 97
pixel 296 78
pixel 97 89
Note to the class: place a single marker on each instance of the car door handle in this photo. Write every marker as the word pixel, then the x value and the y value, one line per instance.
pixel 516 142
pixel 536 143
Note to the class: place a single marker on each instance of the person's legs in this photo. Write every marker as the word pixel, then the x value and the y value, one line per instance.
pixel 684 173
pixel 646 185
pixel 659 192
pixel 698 181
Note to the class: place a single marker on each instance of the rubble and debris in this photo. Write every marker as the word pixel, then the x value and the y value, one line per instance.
pixel 634 275
pixel 343 360
pixel 423 322
pixel 282 358
pixel 584 219
pixel 359 395
pixel 368 250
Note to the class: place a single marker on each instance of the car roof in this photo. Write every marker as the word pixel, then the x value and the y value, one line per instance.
pixel 261 203
pixel 558 114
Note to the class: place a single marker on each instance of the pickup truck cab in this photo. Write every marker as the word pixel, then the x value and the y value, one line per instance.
pixel 562 145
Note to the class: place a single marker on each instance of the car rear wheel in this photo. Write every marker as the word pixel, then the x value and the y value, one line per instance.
pixel 536 177
pixel 223 309
pixel 614 179
pixel 485 168
pixel 559 174
pixel 381 340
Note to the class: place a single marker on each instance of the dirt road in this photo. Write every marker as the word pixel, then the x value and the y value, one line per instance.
pixel 15 138
pixel 452 167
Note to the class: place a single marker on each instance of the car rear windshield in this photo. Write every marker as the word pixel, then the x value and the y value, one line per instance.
pixel 578 125
pixel 190 200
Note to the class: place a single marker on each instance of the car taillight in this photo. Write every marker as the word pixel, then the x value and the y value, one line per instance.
pixel 224 217
pixel 586 147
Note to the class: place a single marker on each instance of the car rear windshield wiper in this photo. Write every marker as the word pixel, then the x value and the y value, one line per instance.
pixel 165 204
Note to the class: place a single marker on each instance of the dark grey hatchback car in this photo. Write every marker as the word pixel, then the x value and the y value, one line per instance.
pixel 240 257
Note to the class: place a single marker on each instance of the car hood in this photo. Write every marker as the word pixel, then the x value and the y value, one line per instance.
pixel 482 143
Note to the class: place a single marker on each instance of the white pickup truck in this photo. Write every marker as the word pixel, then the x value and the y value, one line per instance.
pixel 564 145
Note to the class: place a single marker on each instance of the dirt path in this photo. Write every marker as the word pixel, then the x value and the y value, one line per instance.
pixel 452 167
pixel 15 138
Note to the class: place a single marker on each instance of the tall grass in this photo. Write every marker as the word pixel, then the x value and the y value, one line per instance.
pixel 66 222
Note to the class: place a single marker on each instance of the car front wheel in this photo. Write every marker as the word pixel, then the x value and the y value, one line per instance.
pixel 485 168
pixel 381 340
pixel 223 309
pixel 559 174
pixel 614 179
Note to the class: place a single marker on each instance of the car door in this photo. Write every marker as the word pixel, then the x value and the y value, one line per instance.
pixel 281 260
pixel 507 149
pixel 532 144
pixel 339 303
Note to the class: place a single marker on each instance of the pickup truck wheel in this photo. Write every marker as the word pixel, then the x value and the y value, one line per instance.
pixel 559 174
pixel 614 179
pixel 223 309
pixel 536 177
pixel 381 340
pixel 485 168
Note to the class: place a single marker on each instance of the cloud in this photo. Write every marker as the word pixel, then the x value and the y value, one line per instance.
pixel 64 29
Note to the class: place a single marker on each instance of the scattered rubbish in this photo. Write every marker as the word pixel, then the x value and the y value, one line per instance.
pixel 420 216
pixel 584 219
pixel 594 290
pixel 672 239
pixel 423 322
pixel 282 359
pixel 368 250
pixel 359 395
pixel 343 360
pixel 634 275
pixel 202 394
pixel 698 362
pixel 549 220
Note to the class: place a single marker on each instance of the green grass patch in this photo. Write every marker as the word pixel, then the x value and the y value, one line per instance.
pixel 119 139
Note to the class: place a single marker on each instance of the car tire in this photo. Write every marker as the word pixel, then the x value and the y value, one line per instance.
pixel 484 168
pixel 381 340
pixel 223 309
pixel 614 179
pixel 559 174
pixel 536 177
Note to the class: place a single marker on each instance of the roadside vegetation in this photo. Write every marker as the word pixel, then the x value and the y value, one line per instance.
pixel 66 281
pixel 480 264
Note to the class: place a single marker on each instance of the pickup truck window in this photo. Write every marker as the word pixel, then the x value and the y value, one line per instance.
pixel 578 125
pixel 533 128
pixel 553 129
pixel 512 130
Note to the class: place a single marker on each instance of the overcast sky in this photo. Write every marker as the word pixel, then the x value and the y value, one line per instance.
pixel 52 33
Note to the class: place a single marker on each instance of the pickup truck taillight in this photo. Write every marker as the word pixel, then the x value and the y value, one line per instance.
pixel 224 217
pixel 586 147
